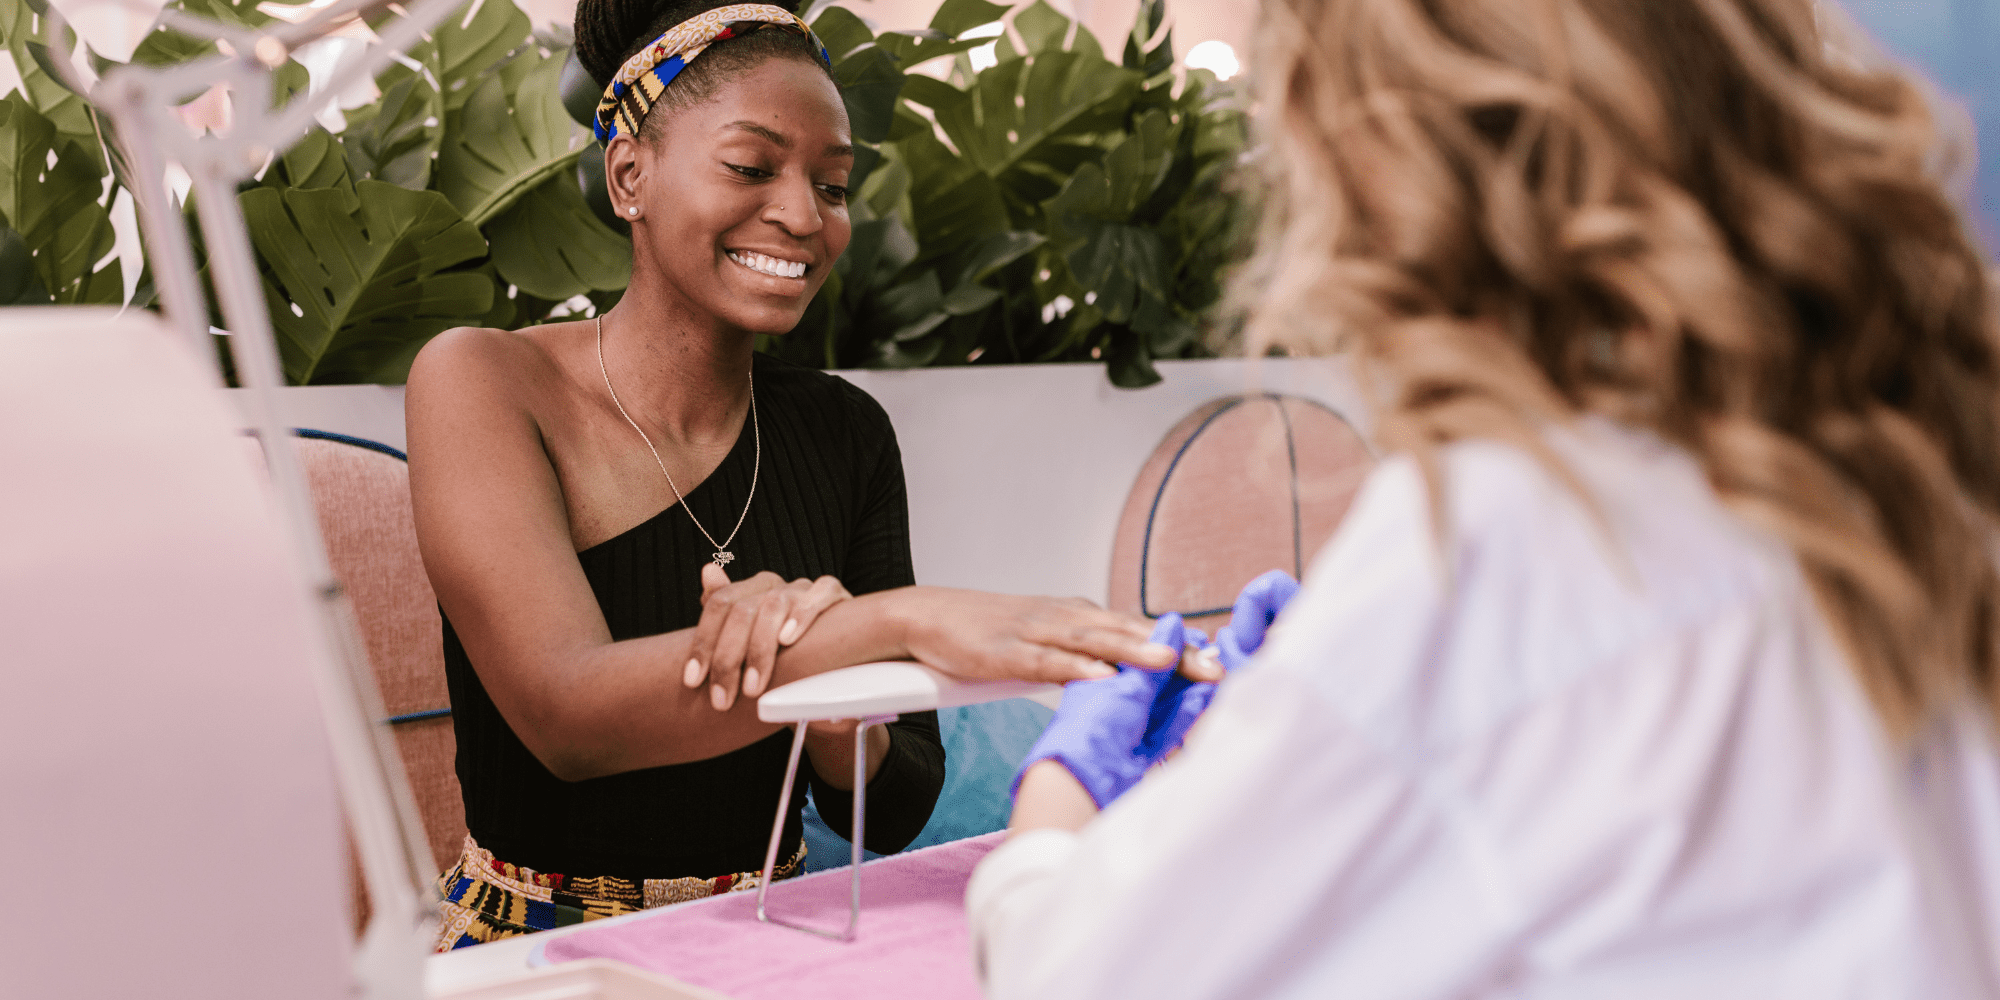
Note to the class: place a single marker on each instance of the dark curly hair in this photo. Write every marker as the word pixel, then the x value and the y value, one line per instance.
pixel 608 32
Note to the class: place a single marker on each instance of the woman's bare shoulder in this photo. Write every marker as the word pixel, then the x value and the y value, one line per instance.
pixel 485 368
pixel 471 358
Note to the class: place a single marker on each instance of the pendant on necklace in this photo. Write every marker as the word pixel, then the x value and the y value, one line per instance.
pixel 723 558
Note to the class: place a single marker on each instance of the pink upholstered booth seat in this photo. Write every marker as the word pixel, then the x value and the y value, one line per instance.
pixel 1242 485
pixel 361 491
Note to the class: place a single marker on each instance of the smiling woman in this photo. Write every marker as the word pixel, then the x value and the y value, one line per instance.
pixel 635 525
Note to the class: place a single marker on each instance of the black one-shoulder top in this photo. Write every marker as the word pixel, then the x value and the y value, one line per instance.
pixel 830 500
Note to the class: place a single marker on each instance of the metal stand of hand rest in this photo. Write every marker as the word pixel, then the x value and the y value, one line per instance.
pixel 875 693
pixel 854 834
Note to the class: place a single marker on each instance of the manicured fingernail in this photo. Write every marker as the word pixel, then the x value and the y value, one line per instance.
pixel 1205 663
pixel 789 633
pixel 750 680
pixel 692 675
pixel 1099 670
pixel 1157 653
pixel 718 696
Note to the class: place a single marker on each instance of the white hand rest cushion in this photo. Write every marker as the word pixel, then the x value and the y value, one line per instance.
pixel 884 689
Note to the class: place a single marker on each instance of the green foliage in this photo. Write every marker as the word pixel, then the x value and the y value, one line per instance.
pixel 1055 206
pixel 48 197
pixel 359 274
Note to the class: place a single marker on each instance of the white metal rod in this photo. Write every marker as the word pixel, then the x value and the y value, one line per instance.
pixel 174 275
pixel 399 36
pixel 778 824
pixel 856 830
pixel 240 290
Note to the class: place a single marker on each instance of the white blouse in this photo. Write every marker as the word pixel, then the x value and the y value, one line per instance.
pixel 1613 756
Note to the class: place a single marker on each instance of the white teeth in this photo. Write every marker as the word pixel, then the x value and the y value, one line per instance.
pixel 772 266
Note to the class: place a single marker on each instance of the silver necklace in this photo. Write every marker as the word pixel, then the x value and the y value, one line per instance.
pixel 721 556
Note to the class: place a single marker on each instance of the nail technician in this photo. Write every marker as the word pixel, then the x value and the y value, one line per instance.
pixel 1661 658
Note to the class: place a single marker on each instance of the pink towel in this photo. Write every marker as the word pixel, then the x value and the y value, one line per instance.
pixel 912 940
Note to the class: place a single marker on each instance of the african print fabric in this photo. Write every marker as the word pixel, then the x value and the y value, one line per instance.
pixel 486 899
pixel 644 77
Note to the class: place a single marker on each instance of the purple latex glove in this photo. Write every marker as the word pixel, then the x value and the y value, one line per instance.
pixel 1109 731
pixel 1256 607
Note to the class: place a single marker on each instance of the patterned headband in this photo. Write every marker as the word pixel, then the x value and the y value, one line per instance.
pixel 645 76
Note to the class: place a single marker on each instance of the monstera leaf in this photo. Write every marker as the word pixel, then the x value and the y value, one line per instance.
pixel 463 49
pixel 1057 206
pixel 48 193
pixel 551 245
pixel 1149 47
pixel 1104 242
pixel 167 47
pixel 869 86
pixel 1025 110
pixel 395 138
pixel 841 31
pixel 315 161
pixel 21 28
pixel 468 49
pixel 18 284
pixel 955 204
pixel 358 277
pixel 956 17
pixel 946 35
pixel 509 136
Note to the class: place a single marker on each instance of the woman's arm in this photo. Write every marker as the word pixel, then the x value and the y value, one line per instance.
pixel 1050 798
pixel 495 538
pixel 905 759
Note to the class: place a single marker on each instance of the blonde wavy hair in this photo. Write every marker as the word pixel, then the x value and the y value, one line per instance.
pixel 1701 217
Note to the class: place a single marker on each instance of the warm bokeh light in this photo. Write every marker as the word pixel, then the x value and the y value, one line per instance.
pixel 1216 57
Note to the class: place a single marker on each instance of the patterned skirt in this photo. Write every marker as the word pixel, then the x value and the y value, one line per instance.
pixel 486 899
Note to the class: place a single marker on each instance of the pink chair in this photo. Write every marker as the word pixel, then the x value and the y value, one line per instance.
pixel 361 490
pixel 1242 485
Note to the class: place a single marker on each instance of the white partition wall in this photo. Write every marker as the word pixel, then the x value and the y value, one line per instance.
pixel 1017 473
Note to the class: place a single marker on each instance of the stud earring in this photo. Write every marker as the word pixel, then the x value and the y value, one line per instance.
pixel 631 210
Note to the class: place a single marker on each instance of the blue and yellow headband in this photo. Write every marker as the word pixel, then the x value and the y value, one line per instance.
pixel 644 77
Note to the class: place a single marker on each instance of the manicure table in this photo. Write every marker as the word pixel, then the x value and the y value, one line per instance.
pixel 802 936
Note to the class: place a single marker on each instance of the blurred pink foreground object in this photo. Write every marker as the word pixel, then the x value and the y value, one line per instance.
pixel 912 941
pixel 164 771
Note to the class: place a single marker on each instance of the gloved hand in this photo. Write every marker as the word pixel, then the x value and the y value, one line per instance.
pixel 1109 731
pixel 1256 607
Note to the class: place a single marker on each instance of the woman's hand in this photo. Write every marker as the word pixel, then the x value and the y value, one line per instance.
pixel 744 624
pixel 986 637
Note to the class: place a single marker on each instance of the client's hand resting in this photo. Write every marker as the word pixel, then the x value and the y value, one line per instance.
pixel 744 624
pixel 989 637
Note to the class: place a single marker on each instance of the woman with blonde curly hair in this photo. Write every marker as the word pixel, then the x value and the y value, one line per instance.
pixel 1661 657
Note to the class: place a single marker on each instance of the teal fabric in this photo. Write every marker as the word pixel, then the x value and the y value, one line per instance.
pixel 983 747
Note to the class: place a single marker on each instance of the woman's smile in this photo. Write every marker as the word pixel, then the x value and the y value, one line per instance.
pixel 772 265
pixel 758 174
